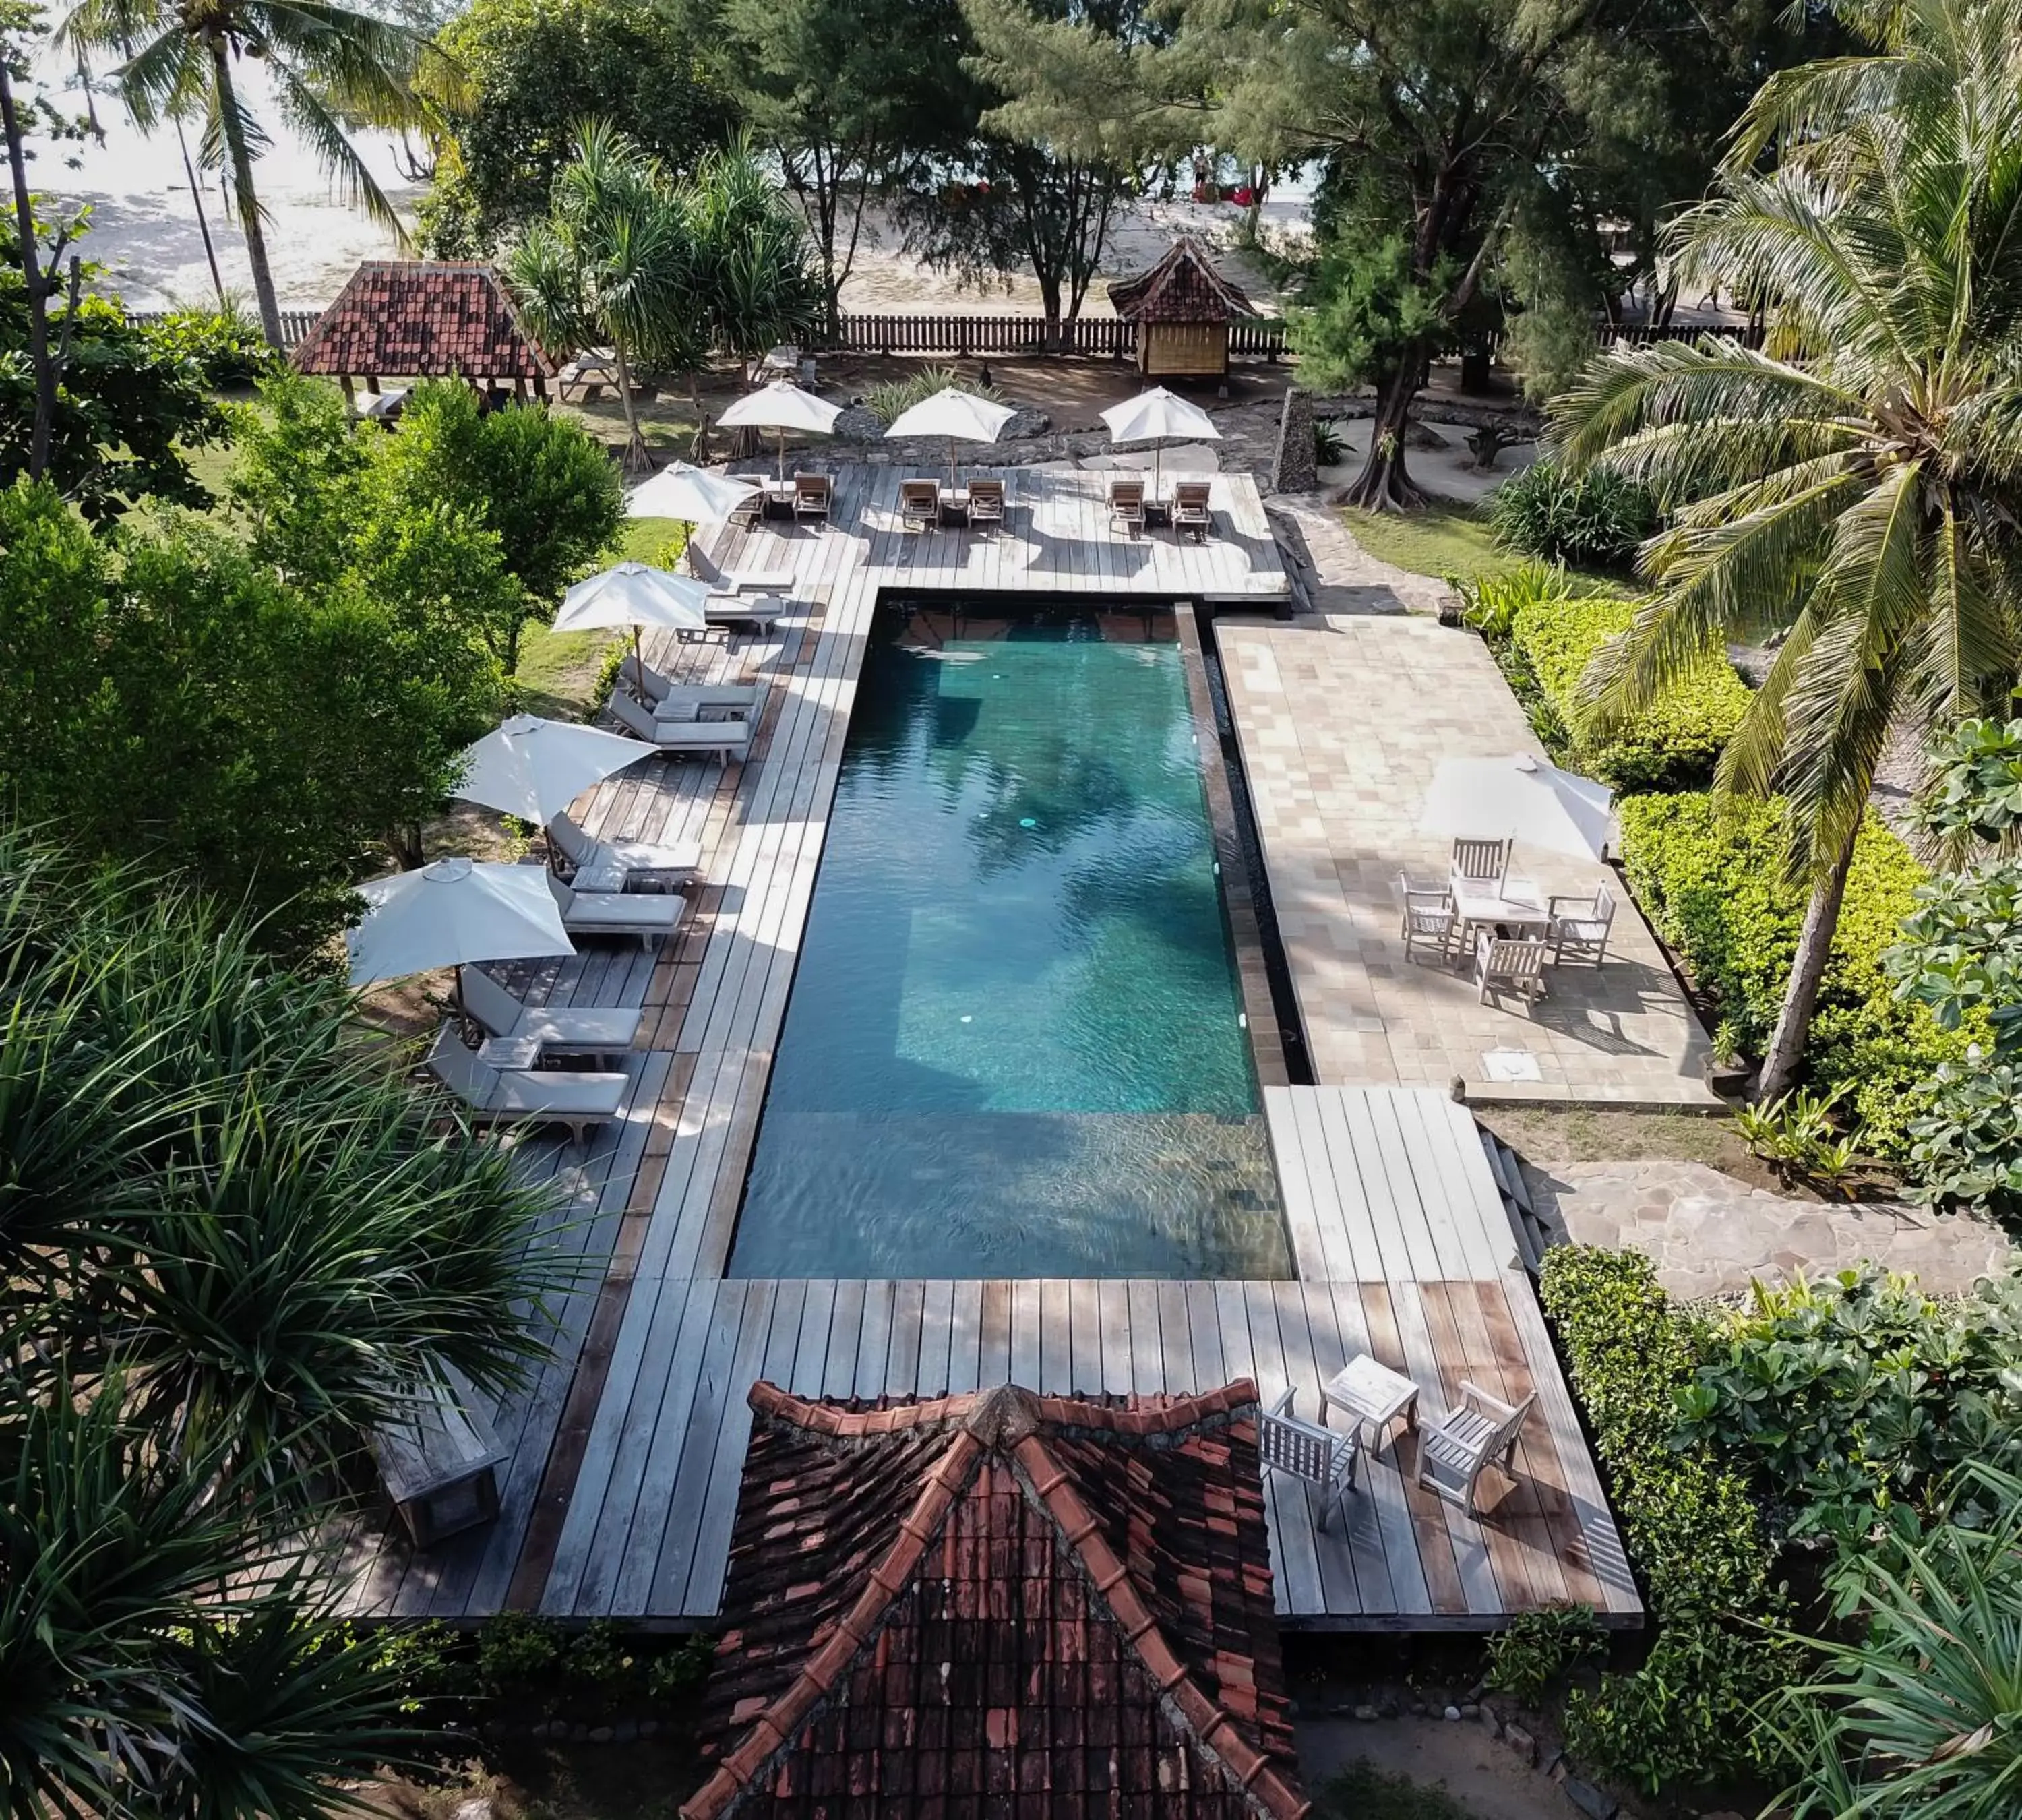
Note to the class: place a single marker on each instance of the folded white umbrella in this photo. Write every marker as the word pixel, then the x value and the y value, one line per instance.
pixel 634 594
pixel 1519 797
pixel 1155 415
pixel 694 495
pixel 782 406
pixel 958 416
pixel 452 912
pixel 534 769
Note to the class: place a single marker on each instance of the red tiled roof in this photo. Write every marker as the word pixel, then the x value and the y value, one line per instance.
pixel 1182 286
pixel 1047 1606
pixel 418 318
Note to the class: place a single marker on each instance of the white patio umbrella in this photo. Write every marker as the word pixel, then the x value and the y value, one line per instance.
pixel 1519 797
pixel 694 495
pixel 634 594
pixel 453 911
pixel 534 769
pixel 784 406
pixel 958 416
pixel 1156 417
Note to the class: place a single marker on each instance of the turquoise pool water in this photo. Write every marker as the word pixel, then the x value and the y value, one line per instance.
pixel 1014 1043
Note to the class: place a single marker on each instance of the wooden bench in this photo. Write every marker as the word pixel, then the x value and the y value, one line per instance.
pixel 440 1467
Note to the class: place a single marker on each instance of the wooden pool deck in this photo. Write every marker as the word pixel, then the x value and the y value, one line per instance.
pixel 625 1450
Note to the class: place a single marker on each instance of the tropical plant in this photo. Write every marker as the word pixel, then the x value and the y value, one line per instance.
pixel 227 345
pixel 330 68
pixel 612 264
pixel 1795 1135
pixel 1594 520
pixel 1851 486
pixel 753 279
pixel 890 401
pixel 1921 1718
pixel 1538 1647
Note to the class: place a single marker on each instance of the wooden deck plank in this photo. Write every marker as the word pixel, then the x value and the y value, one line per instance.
pixel 1387 1460
pixel 994 1363
pixel 1025 1329
pixel 1439 1557
pixel 1336 1549
pixel 936 1321
pixel 845 1328
pixel 1232 1319
pixel 905 1373
pixel 966 1337
pixel 1176 1348
pixel 1147 1353
pixel 709 1546
pixel 1112 1301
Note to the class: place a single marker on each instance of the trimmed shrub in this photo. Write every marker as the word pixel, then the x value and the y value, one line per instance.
pixel 1674 743
pixel 1688 1715
pixel 1597 520
pixel 1709 875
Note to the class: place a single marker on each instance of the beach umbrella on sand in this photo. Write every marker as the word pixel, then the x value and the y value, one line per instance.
pixel 456 911
pixel 1156 416
pixel 958 416
pixel 534 769
pixel 784 406
pixel 634 594
pixel 1520 797
pixel 694 495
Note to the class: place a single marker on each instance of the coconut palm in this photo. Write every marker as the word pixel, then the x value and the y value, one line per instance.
pixel 1853 486
pixel 329 65
pixel 613 263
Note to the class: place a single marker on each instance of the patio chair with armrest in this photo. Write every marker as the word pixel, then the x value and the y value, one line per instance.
pixel 1481 862
pixel 1429 916
pixel 497 1096
pixel 986 504
pixel 568 1029
pixel 1505 963
pixel 583 851
pixel 920 505
pixel 618 913
pixel 1191 516
pixel 811 495
pixel 1453 1452
pixel 1580 926
pixel 1126 505
pixel 1321 1460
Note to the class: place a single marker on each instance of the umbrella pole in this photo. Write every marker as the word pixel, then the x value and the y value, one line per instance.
pixel 638 666
pixel 782 471
pixel 952 479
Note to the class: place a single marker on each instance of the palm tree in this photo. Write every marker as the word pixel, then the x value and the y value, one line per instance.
pixel 329 66
pixel 1853 486
pixel 613 263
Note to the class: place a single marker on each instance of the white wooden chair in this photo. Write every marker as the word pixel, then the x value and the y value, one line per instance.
pixel 1453 1452
pixel 1321 1460
pixel 1482 862
pixel 1508 964
pixel 1191 515
pixel 1429 916
pixel 1126 506
pixel 1580 926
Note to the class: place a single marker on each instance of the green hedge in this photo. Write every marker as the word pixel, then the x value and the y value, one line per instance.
pixel 1674 743
pixel 1709 875
pixel 1685 1717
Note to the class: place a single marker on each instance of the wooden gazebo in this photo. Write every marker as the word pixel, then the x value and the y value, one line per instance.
pixel 414 319
pixel 1182 307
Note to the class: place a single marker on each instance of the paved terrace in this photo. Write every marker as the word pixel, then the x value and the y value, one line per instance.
pixel 1342 719
pixel 626 1452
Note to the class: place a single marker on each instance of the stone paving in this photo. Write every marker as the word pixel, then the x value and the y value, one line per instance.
pixel 1710 1235
pixel 1342 717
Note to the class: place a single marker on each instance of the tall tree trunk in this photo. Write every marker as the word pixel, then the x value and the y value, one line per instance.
pixel 638 458
pixel 245 203
pixel 1808 966
pixel 1383 485
pixel 39 287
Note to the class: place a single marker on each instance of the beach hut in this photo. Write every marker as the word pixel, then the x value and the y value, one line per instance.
pixel 418 318
pixel 1182 307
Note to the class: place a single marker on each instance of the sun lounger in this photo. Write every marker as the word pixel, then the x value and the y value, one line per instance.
pixel 920 505
pixel 812 494
pixel 567 1029
pixel 1190 509
pixel 760 612
pixel 645 916
pixel 586 853
pixel 694 701
pixel 986 504
pixel 1126 505
pixel 730 738
pixel 524 1096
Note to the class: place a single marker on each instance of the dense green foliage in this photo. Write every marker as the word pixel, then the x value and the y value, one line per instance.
pixel 1686 1716
pixel 226 344
pixel 1538 1647
pixel 172 697
pixel 891 401
pixel 1708 873
pixel 534 71
pixel 1671 746
pixel 1595 519
pixel 1850 1396
pixel 1365 310
pixel 131 405
pixel 233 1241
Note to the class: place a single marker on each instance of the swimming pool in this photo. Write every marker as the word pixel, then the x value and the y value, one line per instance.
pixel 1014 1044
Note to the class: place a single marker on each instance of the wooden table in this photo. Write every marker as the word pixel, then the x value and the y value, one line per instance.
pixel 1372 1393
pixel 1517 905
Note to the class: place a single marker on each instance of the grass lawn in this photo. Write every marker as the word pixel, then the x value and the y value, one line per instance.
pixel 558 670
pixel 1445 540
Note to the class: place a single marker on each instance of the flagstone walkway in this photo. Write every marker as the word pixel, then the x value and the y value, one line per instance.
pixel 1342 718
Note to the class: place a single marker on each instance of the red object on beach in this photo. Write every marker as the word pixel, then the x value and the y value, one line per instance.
pixel 1243 198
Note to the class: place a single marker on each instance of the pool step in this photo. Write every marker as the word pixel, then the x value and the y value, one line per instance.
pixel 1507 1168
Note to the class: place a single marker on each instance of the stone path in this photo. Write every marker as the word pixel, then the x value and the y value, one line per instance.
pixel 1710 1235
pixel 1342 718
pixel 1333 573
